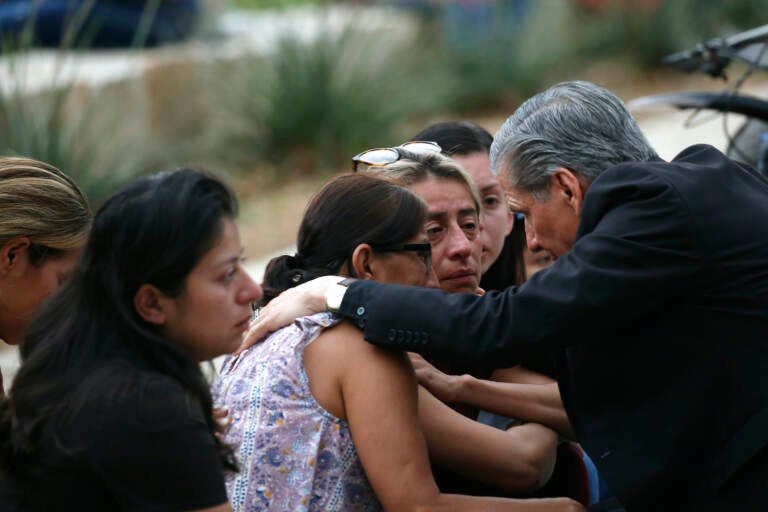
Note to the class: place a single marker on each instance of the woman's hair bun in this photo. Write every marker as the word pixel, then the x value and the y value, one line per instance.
pixel 283 272
pixel 296 261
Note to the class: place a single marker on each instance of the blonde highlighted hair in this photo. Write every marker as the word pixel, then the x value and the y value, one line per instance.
pixel 413 168
pixel 41 203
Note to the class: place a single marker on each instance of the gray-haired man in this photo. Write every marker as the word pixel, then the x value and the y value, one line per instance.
pixel 657 303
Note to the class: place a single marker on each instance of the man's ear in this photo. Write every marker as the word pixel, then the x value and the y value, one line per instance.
pixel 362 258
pixel 14 254
pixel 571 185
pixel 148 302
pixel 510 217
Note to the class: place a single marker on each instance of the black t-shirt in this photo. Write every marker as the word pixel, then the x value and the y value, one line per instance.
pixel 134 442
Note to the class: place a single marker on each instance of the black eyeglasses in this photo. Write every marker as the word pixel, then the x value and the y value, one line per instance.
pixel 423 250
pixel 378 157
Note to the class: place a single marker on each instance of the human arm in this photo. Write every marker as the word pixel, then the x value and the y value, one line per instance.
pixel 224 507
pixel 539 402
pixel 303 300
pixel 517 460
pixel 633 252
pixel 222 419
pixel 528 402
pixel 636 250
pixel 520 375
pixel 390 442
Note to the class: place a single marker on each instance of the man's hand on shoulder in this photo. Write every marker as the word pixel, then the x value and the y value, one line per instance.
pixel 303 300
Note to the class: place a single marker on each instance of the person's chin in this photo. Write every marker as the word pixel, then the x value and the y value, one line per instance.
pixel 460 285
pixel 230 347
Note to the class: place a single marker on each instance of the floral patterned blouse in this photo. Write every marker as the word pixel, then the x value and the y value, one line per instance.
pixel 294 455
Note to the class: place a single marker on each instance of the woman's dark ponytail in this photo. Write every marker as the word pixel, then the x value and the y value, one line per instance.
pixel 349 210
pixel 284 272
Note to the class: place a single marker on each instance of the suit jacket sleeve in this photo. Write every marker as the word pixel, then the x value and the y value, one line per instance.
pixel 635 250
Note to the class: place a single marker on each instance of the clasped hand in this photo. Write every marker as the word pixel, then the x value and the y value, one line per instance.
pixel 303 300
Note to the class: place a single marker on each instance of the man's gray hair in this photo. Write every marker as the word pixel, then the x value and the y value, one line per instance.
pixel 577 125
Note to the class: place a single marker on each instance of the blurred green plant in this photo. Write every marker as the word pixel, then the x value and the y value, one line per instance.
pixel 497 49
pixel 83 133
pixel 92 134
pixel 643 31
pixel 317 98
pixel 312 105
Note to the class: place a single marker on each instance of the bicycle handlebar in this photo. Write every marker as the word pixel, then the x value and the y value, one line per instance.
pixel 713 56
pixel 749 106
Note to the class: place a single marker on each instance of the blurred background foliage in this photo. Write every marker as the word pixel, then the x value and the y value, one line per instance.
pixel 311 103
pixel 79 134
pixel 643 31
pixel 311 106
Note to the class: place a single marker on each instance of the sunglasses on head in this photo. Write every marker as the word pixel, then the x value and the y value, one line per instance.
pixel 378 157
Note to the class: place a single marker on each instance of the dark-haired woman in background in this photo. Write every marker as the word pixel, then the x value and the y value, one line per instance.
pixel 109 410
pixel 322 420
pixel 506 259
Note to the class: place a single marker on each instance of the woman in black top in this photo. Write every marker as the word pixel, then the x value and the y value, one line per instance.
pixel 109 410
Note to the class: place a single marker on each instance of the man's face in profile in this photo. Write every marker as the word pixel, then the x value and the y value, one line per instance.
pixel 551 222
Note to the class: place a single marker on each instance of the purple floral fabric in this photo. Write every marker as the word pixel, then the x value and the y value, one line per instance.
pixel 294 455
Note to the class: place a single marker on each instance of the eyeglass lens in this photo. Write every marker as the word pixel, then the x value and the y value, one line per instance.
pixel 380 156
pixel 421 147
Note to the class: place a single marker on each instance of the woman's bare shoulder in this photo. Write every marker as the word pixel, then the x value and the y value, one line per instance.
pixel 346 342
pixel 343 336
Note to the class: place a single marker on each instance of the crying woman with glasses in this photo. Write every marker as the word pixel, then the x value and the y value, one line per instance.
pixel 514 460
pixel 320 419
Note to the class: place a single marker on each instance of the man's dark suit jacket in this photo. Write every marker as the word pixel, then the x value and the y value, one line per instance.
pixel 660 316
